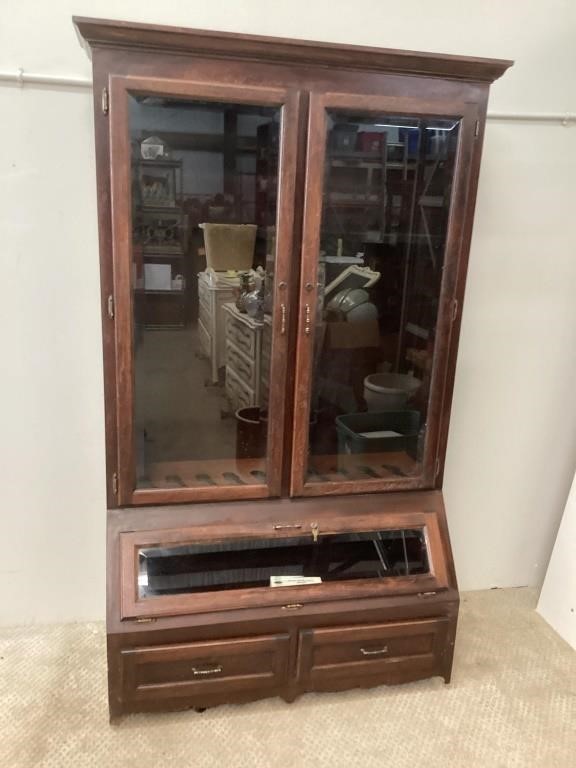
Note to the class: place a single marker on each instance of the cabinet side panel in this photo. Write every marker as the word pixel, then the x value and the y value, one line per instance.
pixel 460 284
pixel 101 123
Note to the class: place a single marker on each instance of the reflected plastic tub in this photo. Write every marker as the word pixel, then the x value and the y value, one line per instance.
pixel 389 391
pixel 378 432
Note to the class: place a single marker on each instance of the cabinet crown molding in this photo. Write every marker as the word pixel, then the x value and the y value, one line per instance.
pixel 105 33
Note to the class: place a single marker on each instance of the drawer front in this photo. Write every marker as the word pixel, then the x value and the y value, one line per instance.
pixel 205 301
pixel 343 657
pixel 266 344
pixel 240 394
pixel 205 316
pixel 241 335
pixel 204 339
pixel 241 365
pixel 196 670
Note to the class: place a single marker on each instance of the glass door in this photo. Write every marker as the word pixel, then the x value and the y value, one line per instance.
pixel 167 572
pixel 200 173
pixel 382 233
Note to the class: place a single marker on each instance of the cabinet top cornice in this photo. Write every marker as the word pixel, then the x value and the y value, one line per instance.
pixel 104 33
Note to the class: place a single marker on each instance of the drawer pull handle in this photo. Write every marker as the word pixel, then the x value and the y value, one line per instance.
pixel 375 652
pixel 288 527
pixel 292 606
pixel 199 671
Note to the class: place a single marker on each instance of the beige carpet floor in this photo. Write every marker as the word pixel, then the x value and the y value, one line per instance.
pixel 511 704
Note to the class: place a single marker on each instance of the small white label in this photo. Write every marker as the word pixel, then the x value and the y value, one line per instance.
pixel 381 433
pixel 293 581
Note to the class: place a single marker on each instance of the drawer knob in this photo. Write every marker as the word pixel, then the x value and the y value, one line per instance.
pixel 200 671
pixel 375 652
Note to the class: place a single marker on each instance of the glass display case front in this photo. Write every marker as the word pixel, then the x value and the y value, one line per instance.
pixel 176 571
pixel 294 561
pixel 372 312
pixel 204 195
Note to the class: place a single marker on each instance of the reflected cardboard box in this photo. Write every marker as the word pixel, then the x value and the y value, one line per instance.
pixel 345 335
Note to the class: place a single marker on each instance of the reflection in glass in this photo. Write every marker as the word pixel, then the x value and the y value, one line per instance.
pixel 204 183
pixel 386 198
pixel 247 563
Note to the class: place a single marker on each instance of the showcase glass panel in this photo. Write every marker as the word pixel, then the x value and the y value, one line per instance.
pixel 204 187
pixel 386 199
pixel 293 561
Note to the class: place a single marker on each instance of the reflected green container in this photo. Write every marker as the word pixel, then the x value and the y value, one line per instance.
pixel 374 432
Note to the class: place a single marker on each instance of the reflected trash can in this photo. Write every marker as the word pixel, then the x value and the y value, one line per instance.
pixel 251 431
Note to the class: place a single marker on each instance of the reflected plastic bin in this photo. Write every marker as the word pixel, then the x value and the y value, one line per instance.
pixel 395 431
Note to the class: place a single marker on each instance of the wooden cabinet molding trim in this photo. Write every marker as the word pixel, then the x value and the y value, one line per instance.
pixel 148 37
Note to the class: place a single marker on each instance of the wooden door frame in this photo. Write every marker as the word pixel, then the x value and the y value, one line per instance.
pixel 451 293
pixel 288 100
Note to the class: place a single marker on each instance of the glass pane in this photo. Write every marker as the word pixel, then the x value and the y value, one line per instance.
pixel 387 187
pixel 204 183
pixel 247 563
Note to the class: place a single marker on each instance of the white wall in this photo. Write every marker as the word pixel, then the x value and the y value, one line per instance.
pixel 557 602
pixel 512 446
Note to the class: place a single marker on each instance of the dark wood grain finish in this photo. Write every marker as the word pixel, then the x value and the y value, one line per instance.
pixel 199 670
pixel 170 605
pixel 456 244
pixel 295 653
pixel 120 171
pixel 102 136
pixel 458 276
pixel 337 658
pixel 148 37
pixel 199 650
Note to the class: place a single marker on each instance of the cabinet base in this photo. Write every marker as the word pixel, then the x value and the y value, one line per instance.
pixel 184 668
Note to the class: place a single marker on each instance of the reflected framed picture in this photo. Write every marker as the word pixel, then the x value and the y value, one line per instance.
pixel 157 182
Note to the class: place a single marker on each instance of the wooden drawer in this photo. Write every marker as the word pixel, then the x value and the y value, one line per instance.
pixel 241 335
pixel 240 394
pixel 205 316
pixel 241 365
pixel 205 301
pixel 204 339
pixel 344 657
pixel 267 339
pixel 199 671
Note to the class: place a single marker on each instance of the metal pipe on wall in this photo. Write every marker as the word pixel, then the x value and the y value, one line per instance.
pixel 25 78
pixel 21 77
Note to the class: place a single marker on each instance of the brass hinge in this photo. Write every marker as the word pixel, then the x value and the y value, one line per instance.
pixel 105 101
pixel 111 307
pixel 477 129
pixel 454 309
pixel 115 483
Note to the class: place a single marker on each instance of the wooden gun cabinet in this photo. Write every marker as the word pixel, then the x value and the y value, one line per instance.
pixel 275 514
